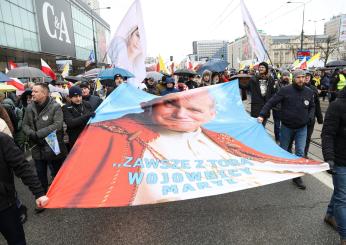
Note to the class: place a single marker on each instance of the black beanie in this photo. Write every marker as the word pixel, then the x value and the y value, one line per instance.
pixel 265 64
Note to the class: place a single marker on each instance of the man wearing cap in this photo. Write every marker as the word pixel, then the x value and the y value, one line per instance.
pixel 169 82
pixel 93 100
pixel 297 110
pixel 261 88
pixel 118 79
pixel 76 114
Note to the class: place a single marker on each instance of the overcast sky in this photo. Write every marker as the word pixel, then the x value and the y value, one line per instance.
pixel 172 25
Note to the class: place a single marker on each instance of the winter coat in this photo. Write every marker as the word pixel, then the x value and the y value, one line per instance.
pixel 257 100
pixel 37 126
pixel 334 131
pixel 76 118
pixel 12 162
pixel 94 101
pixel 297 106
pixel 317 112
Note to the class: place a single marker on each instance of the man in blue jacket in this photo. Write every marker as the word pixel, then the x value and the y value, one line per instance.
pixel 297 111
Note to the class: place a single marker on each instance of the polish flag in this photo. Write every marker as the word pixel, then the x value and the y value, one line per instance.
pixel 47 70
pixel 12 64
pixel 16 83
pixel 303 64
pixel 188 64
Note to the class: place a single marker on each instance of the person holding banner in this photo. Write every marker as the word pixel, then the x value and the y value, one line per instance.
pixel 169 136
pixel 297 110
pixel 12 162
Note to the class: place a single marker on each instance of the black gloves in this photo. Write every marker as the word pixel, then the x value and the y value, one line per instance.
pixel 331 165
pixel 320 120
pixel 92 114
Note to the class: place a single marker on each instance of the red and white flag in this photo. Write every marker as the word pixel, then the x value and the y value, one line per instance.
pixel 16 83
pixel 188 64
pixel 47 70
pixel 12 64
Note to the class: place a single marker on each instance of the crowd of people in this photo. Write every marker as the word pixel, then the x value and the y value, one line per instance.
pixel 46 110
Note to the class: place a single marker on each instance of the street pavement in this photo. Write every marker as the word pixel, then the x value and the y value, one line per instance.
pixel 273 214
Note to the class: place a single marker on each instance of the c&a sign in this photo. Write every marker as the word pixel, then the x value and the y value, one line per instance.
pixel 55 27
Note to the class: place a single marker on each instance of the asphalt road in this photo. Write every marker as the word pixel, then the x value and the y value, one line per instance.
pixel 273 214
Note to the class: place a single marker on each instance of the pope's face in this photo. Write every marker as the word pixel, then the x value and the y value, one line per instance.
pixel 184 113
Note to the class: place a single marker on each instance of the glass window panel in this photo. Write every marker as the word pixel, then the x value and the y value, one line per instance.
pixel 6 12
pixel 10 36
pixel 19 37
pixel 27 40
pixel 25 20
pixel 2 35
pixel 31 21
pixel 29 5
pixel 1 11
pixel 16 16
pixel 13 1
pixel 34 41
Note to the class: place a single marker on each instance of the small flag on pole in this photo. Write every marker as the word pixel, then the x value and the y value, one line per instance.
pixel 91 59
pixel 47 70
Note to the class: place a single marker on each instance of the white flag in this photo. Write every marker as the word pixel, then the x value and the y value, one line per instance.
pixel 127 49
pixel 252 34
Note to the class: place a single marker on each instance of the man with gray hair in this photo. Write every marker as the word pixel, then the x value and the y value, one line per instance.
pixel 297 110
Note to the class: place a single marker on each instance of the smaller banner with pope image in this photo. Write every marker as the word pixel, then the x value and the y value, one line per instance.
pixel 145 149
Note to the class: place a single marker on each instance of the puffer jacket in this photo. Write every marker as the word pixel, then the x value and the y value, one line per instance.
pixel 37 126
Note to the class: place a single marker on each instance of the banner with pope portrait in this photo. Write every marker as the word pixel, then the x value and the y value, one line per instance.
pixel 145 149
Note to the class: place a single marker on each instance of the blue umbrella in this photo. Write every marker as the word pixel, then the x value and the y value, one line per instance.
pixel 216 65
pixel 111 72
pixel 4 78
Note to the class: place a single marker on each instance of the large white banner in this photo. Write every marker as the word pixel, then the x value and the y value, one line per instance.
pixel 252 34
pixel 127 49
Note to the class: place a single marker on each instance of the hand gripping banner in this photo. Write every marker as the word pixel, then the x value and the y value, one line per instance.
pixel 145 149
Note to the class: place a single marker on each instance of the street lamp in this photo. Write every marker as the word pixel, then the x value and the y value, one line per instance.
pixel 302 34
pixel 315 21
pixel 92 24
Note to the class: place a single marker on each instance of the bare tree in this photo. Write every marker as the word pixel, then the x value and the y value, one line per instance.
pixel 330 46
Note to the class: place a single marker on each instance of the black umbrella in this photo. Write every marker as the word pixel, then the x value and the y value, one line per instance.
pixel 73 78
pixel 27 72
pixel 108 82
pixel 336 63
pixel 184 72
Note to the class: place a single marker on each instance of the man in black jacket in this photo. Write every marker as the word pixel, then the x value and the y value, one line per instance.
pixel 12 162
pixel 93 100
pixel 334 152
pixel 76 114
pixel 262 89
pixel 297 110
